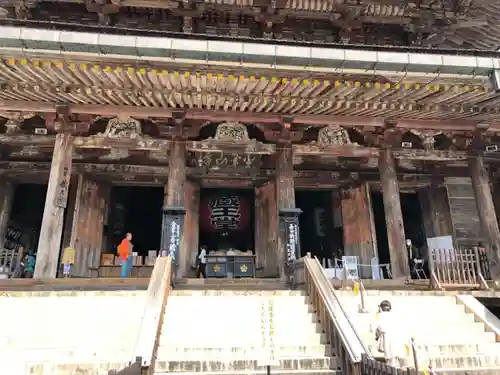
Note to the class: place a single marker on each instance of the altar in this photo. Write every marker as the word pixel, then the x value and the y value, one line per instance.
pixel 230 264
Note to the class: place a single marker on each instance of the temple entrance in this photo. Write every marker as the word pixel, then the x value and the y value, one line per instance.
pixel 227 229
pixel 26 217
pixel 316 222
pixel 413 225
pixel 137 210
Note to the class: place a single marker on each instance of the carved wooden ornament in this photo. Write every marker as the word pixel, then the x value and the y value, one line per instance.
pixel 14 120
pixel 333 135
pixel 427 137
pixel 231 131
pixel 123 128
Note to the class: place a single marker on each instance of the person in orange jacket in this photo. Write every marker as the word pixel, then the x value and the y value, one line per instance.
pixel 125 249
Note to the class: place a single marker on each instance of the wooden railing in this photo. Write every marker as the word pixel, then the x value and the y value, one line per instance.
pixel 149 333
pixel 340 332
pixel 456 268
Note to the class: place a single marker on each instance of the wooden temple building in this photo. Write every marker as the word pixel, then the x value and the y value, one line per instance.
pixel 96 94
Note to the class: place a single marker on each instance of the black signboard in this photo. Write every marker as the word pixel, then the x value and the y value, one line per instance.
pixel 173 226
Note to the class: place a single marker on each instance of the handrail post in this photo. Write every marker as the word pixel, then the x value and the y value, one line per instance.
pixel 362 290
pixel 414 354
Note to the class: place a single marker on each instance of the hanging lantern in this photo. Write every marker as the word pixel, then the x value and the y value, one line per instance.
pixel 224 213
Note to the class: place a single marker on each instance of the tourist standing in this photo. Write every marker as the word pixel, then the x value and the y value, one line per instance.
pixel 388 336
pixel 125 252
pixel 68 259
pixel 202 263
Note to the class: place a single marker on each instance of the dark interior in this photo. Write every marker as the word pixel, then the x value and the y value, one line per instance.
pixel 412 220
pixel 137 210
pixel 316 222
pixel 26 216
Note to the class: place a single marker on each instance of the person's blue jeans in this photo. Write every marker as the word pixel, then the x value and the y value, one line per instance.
pixel 126 267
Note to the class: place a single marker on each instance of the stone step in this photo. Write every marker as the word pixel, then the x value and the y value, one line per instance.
pixel 370 320
pixel 231 284
pixel 70 355
pixel 458 349
pixel 46 367
pixel 471 361
pixel 180 292
pixel 237 353
pixel 470 371
pixel 302 326
pixel 445 332
pixel 311 364
pixel 443 340
pixel 211 341
pixel 263 371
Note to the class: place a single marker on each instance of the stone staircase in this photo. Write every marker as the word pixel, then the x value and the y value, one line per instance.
pixel 68 332
pixel 447 336
pixel 237 331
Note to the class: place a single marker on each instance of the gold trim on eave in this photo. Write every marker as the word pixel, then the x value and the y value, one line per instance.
pixel 340 84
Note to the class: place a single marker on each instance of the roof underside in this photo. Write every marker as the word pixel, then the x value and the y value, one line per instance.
pixel 465 24
pixel 389 97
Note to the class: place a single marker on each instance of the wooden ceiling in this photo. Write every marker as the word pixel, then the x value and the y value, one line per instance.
pixel 443 23
pixel 394 98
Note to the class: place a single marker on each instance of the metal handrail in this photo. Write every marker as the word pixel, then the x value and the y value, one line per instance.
pixel 310 263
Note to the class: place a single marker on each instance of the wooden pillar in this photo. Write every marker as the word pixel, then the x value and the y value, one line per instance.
pixel 49 244
pixel 266 225
pixel 174 199
pixel 285 190
pixel 486 209
pixel 176 175
pixel 435 211
pixel 88 225
pixel 285 187
pixel 6 200
pixel 96 227
pixel 68 216
pixel 191 235
pixel 359 227
pixel 393 215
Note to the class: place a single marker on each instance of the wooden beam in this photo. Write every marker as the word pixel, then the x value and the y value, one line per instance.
pixel 354 151
pixel 24 140
pixel 141 144
pixel 90 168
pixel 245 147
pixel 194 114
pixel 248 147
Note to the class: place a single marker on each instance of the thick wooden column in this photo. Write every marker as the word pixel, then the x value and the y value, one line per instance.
pixel 175 198
pixel 359 227
pixel 88 225
pixel 176 175
pixel 486 209
pixel 266 228
pixel 435 211
pixel 49 244
pixel 191 235
pixel 285 187
pixel 393 215
pixel 6 200
pixel 285 191
pixel 68 215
